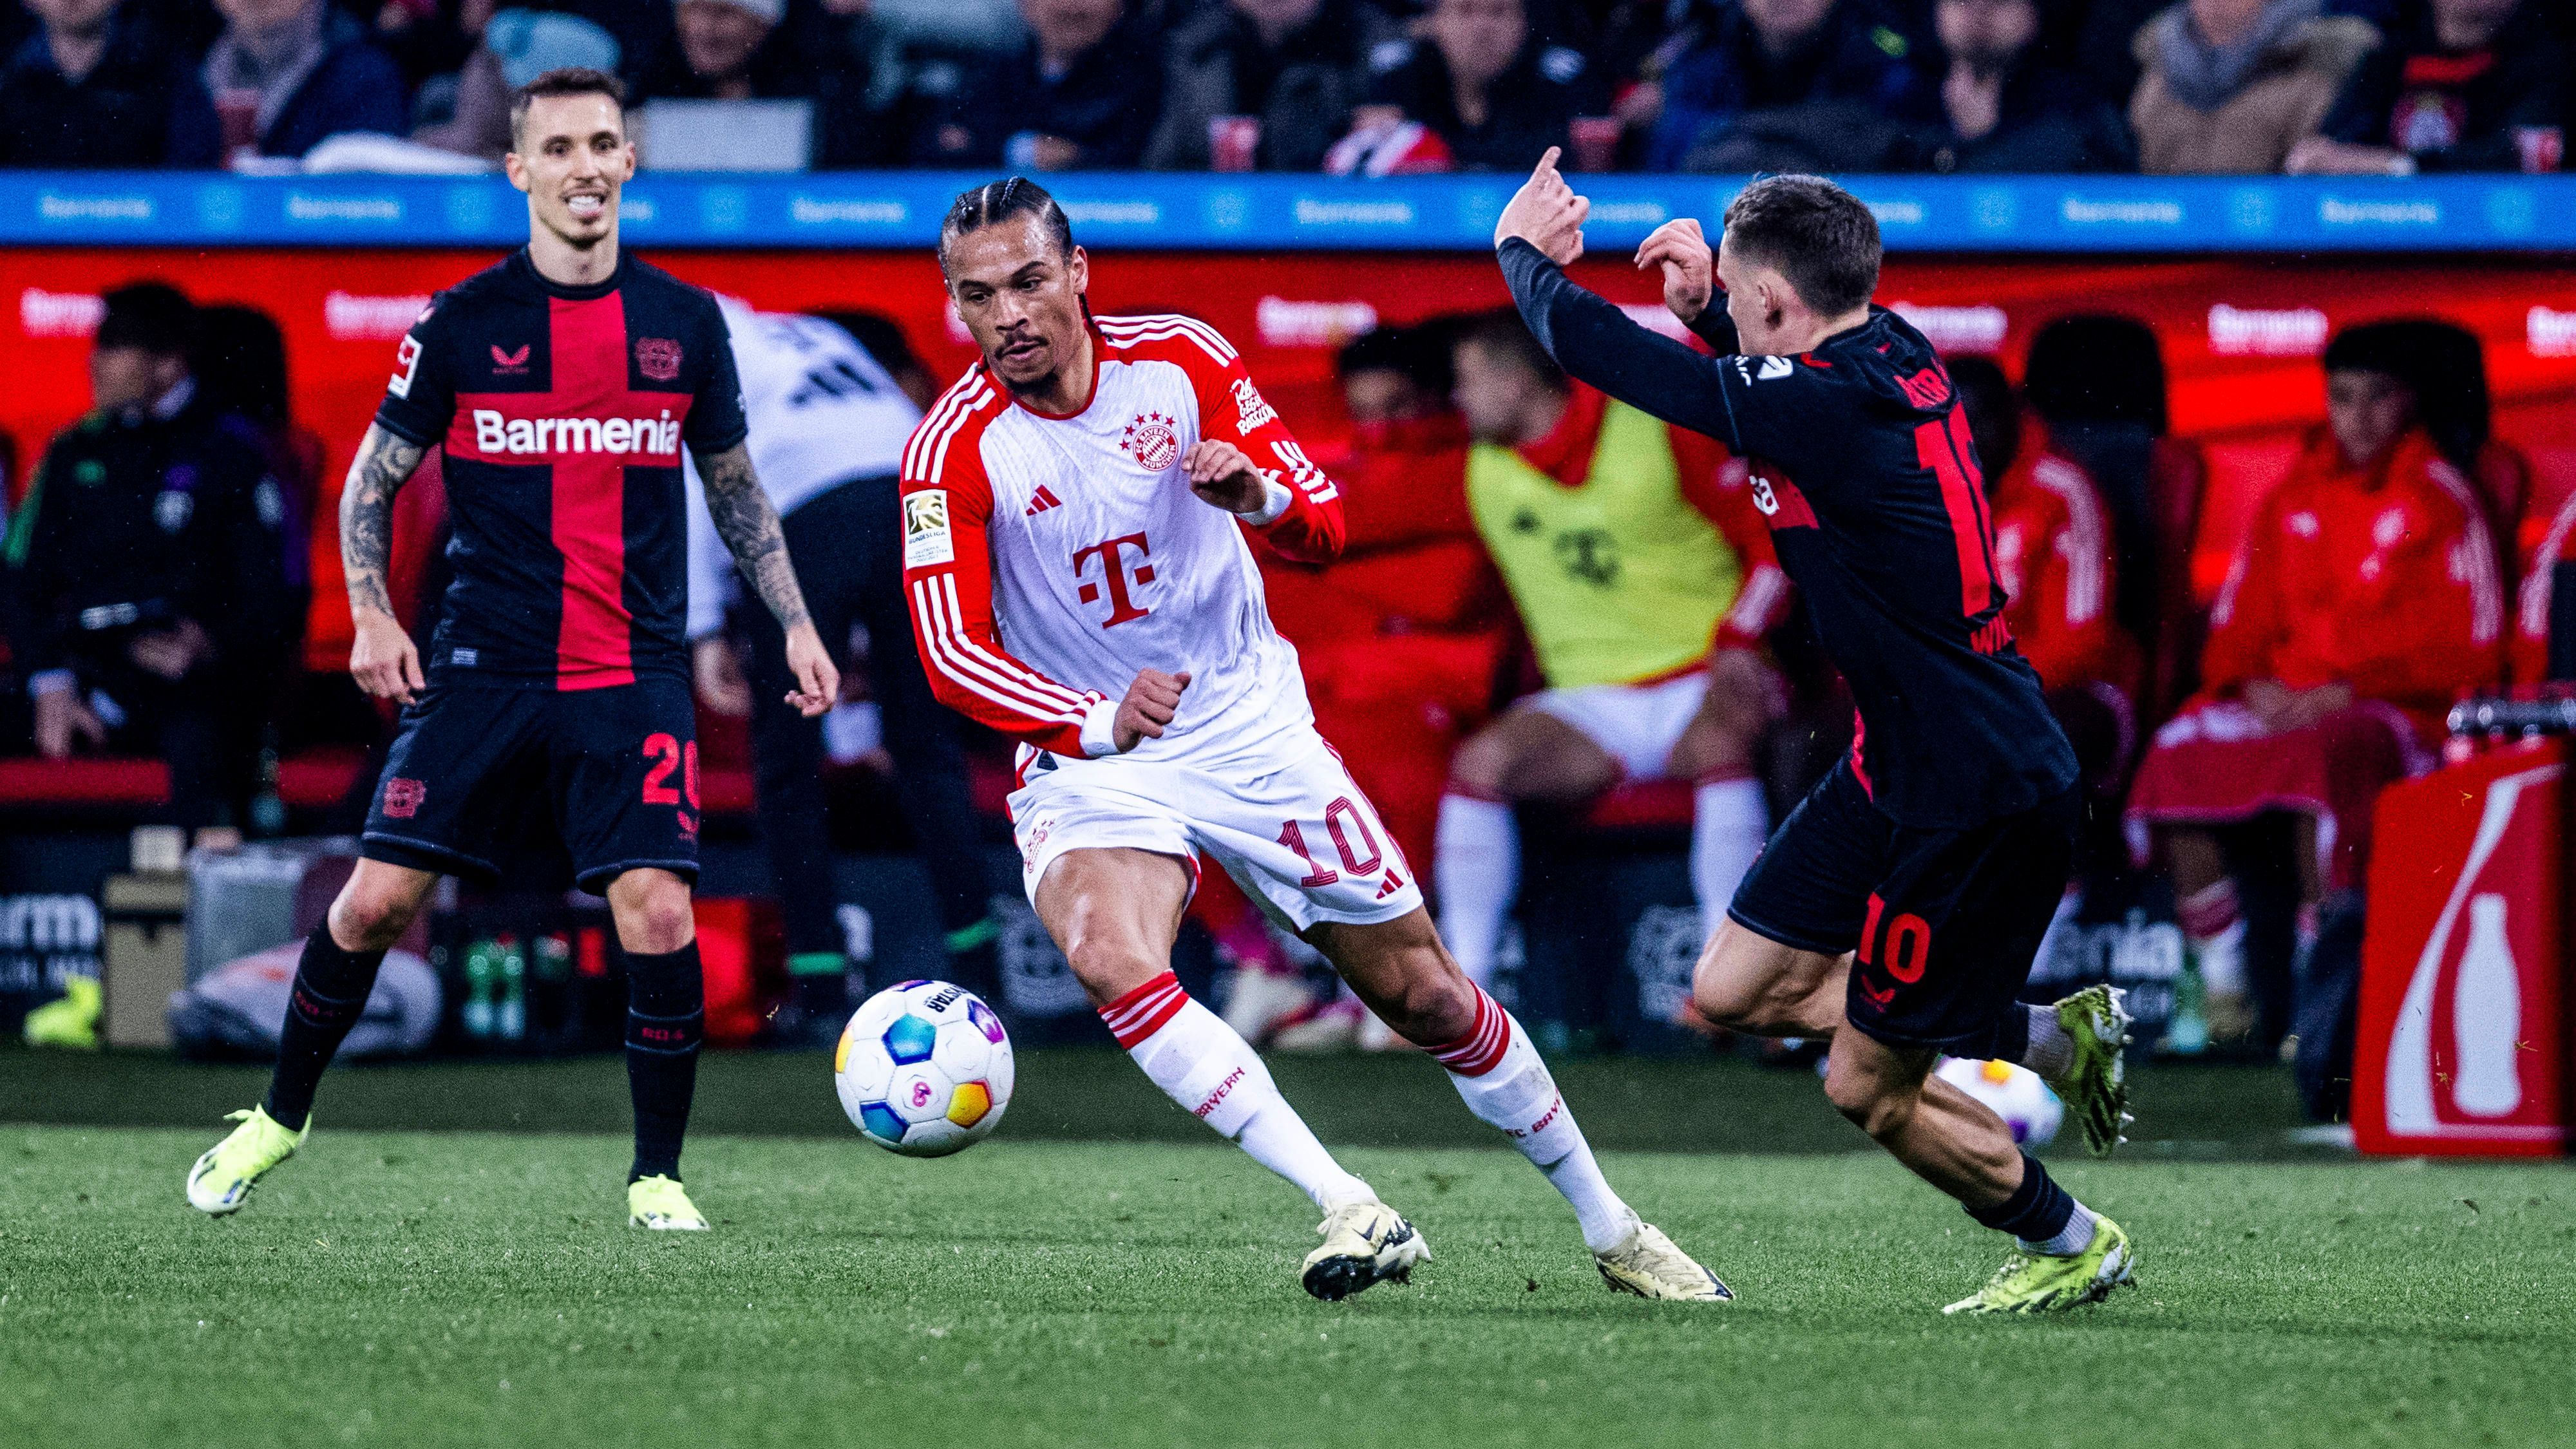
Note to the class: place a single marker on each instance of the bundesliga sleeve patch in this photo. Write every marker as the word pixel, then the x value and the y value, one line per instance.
pixel 925 529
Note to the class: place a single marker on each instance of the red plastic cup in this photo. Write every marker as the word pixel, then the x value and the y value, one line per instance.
pixel 1596 142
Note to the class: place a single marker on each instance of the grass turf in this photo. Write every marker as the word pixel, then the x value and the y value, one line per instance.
pixel 430 1288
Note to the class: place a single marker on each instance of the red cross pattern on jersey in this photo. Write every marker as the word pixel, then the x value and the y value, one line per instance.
pixel 585 430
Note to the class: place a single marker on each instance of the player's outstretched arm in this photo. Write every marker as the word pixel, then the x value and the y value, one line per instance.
pixel 748 523
pixel 1598 344
pixel 382 657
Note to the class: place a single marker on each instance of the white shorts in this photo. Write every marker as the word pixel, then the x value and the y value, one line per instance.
pixel 1638 724
pixel 1301 839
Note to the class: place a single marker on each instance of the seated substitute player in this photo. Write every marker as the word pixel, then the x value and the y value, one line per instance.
pixel 1645 578
pixel 1073 541
pixel 1906 896
pixel 2364 600
pixel 562 383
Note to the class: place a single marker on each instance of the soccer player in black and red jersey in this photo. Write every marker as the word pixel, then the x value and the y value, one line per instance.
pixel 562 384
pixel 1905 898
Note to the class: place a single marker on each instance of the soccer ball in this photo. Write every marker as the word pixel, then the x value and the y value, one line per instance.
pixel 2016 1093
pixel 924 1069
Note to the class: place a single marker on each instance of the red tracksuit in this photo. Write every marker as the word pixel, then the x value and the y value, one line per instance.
pixel 2054 554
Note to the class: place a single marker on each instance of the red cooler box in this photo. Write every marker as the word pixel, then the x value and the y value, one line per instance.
pixel 2463 1041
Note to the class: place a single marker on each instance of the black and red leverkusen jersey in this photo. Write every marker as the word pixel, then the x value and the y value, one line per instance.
pixel 562 411
pixel 1878 511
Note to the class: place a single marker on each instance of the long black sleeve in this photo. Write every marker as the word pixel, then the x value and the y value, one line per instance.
pixel 1598 344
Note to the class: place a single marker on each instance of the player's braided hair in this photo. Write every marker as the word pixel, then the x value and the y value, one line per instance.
pixel 996 202
pixel 1820 237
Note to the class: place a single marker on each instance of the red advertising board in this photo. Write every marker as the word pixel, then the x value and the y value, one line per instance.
pixel 2463 1040
pixel 2241 336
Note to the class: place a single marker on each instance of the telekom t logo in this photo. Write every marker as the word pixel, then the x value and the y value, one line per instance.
pixel 1115 574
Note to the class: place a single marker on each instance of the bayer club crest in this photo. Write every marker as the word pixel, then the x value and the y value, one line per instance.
pixel 1153 440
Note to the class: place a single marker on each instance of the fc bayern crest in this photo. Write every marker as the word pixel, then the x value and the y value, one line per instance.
pixel 657 358
pixel 1153 441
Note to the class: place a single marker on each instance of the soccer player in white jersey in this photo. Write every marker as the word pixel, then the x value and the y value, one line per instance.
pixel 1073 512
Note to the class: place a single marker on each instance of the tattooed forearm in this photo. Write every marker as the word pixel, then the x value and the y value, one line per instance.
pixel 367 516
pixel 749 526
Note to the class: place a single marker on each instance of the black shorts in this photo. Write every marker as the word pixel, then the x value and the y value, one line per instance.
pixel 618 767
pixel 1944 924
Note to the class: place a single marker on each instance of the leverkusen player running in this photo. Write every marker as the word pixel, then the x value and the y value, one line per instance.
pixel 1907 895
pixel 562 383
pixel 1073 545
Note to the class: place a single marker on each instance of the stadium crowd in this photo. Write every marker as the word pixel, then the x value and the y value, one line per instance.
pixel 1551 608
pixel 1371 87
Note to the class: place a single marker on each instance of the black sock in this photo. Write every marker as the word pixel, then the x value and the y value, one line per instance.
pixel 2011 1039
pixel 666 1018
pixel 330 994
pixel 2037 1211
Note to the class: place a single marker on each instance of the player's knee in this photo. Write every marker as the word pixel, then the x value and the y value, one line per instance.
pixel 1109 966
pixel 1436 1003
pixel 1730 994
pixel 370 915
pixel 653 911
pixel 1875 1105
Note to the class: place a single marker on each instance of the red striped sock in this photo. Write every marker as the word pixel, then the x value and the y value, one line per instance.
pixel 1142 1012
pixel 1481 1049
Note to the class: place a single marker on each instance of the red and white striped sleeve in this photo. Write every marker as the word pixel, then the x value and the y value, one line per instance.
pixel 948 581
pixel 1303 519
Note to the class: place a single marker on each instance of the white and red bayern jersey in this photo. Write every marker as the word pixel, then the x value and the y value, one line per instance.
pixel 1050 559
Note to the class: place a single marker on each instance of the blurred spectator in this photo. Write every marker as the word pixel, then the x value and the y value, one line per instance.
pixel 96 87
pixel 2004 109
pixel 1083 92
pixel 288 73
pixel 517 46
pixel 724 54
pixel 149 569
pixel 1774 84
pixel 2461 85
pixel 2364 600
pixel 425 38
pixel 1481 91
pixel 1645 576
pixel 2232 85
pixel 740 50
pixel 1290 69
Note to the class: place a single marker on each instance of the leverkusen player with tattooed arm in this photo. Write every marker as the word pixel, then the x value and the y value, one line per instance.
pixel 562 383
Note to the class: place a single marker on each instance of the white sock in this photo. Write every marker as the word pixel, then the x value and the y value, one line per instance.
pixel 1201 1063
pixel 2051 1052
pixel 1476 869
pixel 2070 1240
pixel 1508 1086
pixel 2222 960
pixel 1729 823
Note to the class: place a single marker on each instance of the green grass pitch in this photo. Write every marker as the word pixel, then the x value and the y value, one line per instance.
pixel 478 1288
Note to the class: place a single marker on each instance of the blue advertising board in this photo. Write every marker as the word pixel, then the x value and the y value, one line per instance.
pixel 2023 214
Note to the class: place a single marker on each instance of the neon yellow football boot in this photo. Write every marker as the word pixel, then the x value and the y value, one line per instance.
pixel 2035 1283
pixel 2096 1085
pixel 660 1203
pixel 222 1179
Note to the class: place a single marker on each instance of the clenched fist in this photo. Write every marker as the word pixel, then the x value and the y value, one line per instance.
pixel 1149 706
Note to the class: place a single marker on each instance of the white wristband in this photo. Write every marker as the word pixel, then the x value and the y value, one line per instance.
pixel 1275 499
pixel 1099 735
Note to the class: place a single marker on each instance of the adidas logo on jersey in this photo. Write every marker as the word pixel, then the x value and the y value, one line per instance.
pixel 494 433
pixel 1045 500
